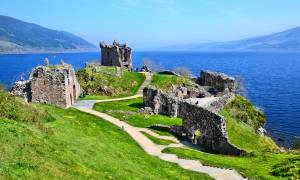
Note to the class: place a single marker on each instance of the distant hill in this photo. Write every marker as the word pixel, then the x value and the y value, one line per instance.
pixel 288 40
pixel 17 36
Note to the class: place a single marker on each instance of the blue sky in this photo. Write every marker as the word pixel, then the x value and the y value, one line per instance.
pixel 150 23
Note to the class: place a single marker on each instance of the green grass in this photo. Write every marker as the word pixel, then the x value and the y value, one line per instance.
pixel 165 82
pixel 77 145
pixel 259 165
pixel 263 160
pixel 244 136
pixel 158 140
pixel 162 133
pixel 16 109
pixel 103 83
pixel 242 129
pixel 138 120
pixel 243 111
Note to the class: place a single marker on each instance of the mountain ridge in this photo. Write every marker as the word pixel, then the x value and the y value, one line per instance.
pixel 288 40
pixel 17 36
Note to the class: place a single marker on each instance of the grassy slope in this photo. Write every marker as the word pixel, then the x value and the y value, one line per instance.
pixel 262 162
pixel 138 120
pixel 126 85
pixel 255 166
pixel 158 140
pixel 165 82
pixel 77 145
pixel 242 120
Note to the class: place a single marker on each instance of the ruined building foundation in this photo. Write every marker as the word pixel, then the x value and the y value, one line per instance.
pixel 201 122
pixel 56 85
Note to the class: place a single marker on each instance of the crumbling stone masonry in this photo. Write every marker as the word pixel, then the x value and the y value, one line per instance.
pixel 159 102
pixel 200 125
pixel 22 89
pixel 219 81
pixel 56 85
pixel 207 129
pixel 116 55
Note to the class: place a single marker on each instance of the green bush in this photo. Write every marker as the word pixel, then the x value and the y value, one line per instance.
pixel 242 110
pixel 165 82
pixel 2 88
pixel 104 81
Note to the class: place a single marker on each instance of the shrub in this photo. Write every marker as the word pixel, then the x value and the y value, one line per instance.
pixel 153 66
pixel 105 81
pixel 242 110
pixel 183 71
pixel 2 88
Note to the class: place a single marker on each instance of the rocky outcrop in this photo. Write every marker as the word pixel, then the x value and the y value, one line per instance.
pixel 56 85
pixel 116 55
pixel 219 81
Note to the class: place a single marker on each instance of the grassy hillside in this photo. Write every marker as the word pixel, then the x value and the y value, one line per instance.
pixel 263 160
pixel 105 82
pixel 165 82
pixel 16 35
pixel 74 145
pixel 242 120
pixel 259 165
pixel 127 111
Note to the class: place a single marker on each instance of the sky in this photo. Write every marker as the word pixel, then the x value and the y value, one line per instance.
pixel 154 23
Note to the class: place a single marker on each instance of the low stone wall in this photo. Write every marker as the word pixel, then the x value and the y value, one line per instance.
pixel 217 80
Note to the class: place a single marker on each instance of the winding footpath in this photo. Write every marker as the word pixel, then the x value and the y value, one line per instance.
pixel 152 148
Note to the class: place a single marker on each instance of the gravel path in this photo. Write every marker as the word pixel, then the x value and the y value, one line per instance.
pixel 154 149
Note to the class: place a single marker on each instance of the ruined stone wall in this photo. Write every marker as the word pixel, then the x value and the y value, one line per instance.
pixel 211 126
pixel 161 103
pixel 54 85
pixel 217 105
pixel 116 55
pixel 22 89
pixel 217 80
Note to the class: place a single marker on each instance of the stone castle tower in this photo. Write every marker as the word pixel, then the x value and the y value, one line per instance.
pixel 116 55
pixel 56 85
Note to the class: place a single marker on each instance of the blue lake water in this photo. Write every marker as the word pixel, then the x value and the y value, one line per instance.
pixel 272 80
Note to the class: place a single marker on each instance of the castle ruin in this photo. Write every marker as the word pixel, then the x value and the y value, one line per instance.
pixel 116 55
pixel 202 123
pixel 55 84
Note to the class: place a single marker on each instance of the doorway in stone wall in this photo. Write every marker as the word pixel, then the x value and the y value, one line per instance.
pixel 71 98
pixel 74 93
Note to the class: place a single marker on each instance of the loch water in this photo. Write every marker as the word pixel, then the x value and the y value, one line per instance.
pixel 271 80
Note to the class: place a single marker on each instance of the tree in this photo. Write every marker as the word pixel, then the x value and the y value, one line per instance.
pixel 183 71
pixel 153 66
pixel 2 88
pixel 241 88
pixel 46 62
